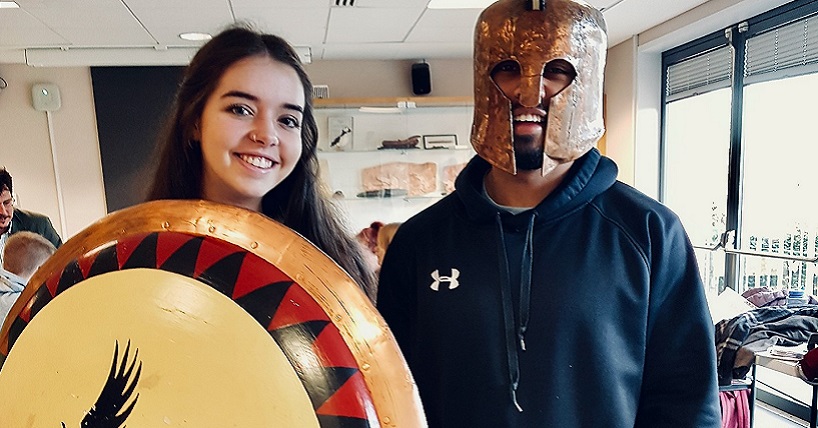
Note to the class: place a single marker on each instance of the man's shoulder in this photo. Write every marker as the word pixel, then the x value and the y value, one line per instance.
pixel 643 218
pixel 35 222
pixel 31 221
pixel 30 216
pixel 438 213
pixel 630 201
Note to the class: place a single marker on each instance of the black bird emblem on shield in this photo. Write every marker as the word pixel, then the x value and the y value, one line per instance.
pixel 110 410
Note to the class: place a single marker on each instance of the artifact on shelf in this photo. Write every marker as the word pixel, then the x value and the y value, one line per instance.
pixel 450 173
pixel 408 143
pixel 444 141
pixel 416 178
pixel 337 140
pixel 340 132
pixel 383 193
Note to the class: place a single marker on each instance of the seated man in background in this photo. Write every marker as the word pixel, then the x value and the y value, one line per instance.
pixel 24 253
pixel 15 220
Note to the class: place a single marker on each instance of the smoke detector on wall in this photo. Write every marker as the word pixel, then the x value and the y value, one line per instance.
pixel 45 97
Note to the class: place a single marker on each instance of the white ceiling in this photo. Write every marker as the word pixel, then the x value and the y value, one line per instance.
pixel 141 32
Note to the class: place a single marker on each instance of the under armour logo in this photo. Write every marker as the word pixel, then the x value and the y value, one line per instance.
pixel 452 280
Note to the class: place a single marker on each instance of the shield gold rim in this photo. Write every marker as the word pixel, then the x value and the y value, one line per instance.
pixel 365 334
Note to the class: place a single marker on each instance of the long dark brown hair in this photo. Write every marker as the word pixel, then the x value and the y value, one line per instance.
pixel 298 201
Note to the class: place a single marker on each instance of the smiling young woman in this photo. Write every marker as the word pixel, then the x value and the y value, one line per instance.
pixel 242 132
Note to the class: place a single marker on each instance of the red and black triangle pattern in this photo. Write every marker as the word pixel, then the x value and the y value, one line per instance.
pixel 297 323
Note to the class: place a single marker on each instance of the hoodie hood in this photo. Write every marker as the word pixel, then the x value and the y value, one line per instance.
pixel 589 176
pixel 11 286
pixel 10 283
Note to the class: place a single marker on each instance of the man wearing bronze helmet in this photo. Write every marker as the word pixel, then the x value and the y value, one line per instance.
pixel 543 292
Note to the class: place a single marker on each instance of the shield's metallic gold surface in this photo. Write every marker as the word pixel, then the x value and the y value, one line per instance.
pixel 241 308
pixel 566 29
pixel 205 362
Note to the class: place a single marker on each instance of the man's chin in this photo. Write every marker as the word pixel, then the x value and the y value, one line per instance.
pixel 528 152
pixel 528 160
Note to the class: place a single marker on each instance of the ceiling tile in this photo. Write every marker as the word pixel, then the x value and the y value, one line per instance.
pixel 449 18
pixel 441 35
pixel 297 25
pixel 20 29
pixel 278 4
pixel 627 18
pixel 165 24
pixel 604 4
pixel 397 51
pixel 391 3
pixel 100 24
pixel 370 25
pixel 445 26
pixel 176 4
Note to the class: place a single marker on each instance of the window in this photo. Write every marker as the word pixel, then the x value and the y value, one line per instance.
pixel 698 91
pixel 738 129
pixel 740 153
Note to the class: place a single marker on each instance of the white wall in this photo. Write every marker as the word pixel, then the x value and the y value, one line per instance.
pixel 620 85
pixel 25 146
pixel 355 79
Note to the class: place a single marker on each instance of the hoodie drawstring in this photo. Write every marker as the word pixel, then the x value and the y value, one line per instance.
pixel 508 308
pixel 525 280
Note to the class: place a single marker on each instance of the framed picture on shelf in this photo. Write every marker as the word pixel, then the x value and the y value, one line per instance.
pixel 339 129
pixel 443 141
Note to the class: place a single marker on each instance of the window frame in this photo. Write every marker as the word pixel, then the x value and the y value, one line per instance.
pixel 735 36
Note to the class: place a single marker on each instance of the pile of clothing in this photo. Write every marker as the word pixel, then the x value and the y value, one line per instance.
pixel 739 338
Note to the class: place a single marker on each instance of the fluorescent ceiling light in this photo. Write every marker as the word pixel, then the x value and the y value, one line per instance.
pixel 8 5
pixel 459 4
pixel 195 36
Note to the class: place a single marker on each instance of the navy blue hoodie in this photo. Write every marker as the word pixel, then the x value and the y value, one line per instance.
pixel 584 311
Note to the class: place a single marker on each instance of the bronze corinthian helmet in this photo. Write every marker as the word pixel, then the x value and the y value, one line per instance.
pixel 533 33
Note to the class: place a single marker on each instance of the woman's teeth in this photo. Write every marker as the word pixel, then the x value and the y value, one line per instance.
pixel 257 161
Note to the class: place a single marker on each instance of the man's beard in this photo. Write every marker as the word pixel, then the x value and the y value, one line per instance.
pixel 527 154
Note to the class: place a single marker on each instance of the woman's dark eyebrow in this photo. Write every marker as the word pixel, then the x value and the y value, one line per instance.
pixel 295 107
pixel 240 94
pixel 251 97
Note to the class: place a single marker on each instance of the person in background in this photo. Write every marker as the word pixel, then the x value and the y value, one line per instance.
pixel 385 235
pixel 24 253
pixel 368 238
pixel 242 132
pixel 13 220
pixel 543 292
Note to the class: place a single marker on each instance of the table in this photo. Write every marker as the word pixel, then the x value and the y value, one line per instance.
pixel 787 367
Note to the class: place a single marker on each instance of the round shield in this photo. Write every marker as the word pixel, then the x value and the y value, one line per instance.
pixel 192 313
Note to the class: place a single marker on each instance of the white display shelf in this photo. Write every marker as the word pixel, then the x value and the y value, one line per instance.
pixel 341 168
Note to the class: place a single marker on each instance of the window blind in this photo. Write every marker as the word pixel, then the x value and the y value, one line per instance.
pixel 786 51
pixel 705 72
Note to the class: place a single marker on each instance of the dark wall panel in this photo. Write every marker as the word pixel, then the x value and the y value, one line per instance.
pixel 131 105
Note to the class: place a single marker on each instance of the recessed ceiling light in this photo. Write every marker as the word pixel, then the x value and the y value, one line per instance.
pixel 8 5
pixel 459 4
pixel 195 36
